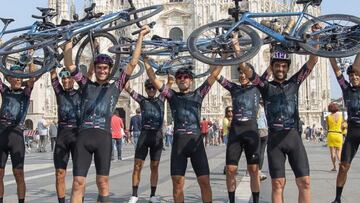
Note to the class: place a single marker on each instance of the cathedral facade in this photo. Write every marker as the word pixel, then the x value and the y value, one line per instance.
pixel 178 19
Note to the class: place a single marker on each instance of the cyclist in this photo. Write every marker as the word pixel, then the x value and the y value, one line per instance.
pixel 151 137
pixel 15 102
pixel 351 94
pixel 98 101
pixel 188 142
pixel 281 105
pixel 68 100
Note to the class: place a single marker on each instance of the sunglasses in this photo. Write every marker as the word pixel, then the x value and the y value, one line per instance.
pixel 230 110
pixel 183 76
pixel 150 87
pixel 64 74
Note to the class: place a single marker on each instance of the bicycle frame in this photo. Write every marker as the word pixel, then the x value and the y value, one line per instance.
pixel 247 18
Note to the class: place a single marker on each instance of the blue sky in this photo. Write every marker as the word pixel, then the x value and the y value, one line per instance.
pixel 10 9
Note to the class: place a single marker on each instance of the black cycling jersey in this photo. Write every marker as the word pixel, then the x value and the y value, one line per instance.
pixel 14 105
pixel 245 100
pixel 68 103
pixel 152 111
pixel 352 100
pixel 98 100
pixel 186 108
pixel 281 99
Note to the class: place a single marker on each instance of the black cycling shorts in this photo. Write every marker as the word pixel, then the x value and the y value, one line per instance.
pixel 243 136
pixel 282 143
pixel 351 144
pixel 188 146
pixel 65 145
pixel 12 142
pixel 91 142
pixel 149 139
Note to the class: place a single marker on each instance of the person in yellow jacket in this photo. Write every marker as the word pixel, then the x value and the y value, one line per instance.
pixel 334 123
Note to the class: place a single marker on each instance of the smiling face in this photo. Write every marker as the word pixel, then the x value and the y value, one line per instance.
pixel 150 91
pixel 354 79
pixel 102 72
pixel 15 83
pixel 68 83
pixel 242 78
pixel 280 70
pixel 184 82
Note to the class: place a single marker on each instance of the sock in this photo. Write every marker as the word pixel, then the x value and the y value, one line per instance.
pixel 338 193
pixel 61 200
pixel 231 197
pixel 135 189
pixel 1 200
pixel 256 197
pixel 105 199
pixel 83 198
pixel 153 189
pixel 21 200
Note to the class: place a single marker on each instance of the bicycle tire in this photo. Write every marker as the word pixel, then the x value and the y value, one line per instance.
pixel 157 9
pixel 86 43
pixel 4 48
pixel 123 63
pixel 195 52
pixel 328 53
pixel 46 65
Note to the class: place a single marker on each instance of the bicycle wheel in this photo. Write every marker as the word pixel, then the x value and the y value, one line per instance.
pixel 141 13
pixel 25 42
pixel 84 55
pixel 123 62
pixel 187 62
pixel 43 59
pixel 209 38
pixel 339 37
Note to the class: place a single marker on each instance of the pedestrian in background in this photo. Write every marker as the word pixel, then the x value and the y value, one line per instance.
pixel 53 129
pixel 263 132
pixel 117 132
pixel 334 137
pixel 135 126
pixel 43 133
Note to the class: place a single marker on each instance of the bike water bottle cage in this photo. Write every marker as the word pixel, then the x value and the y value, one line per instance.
pixel 17 68
pixel 280 56
pixel 64 73
pixel 104 59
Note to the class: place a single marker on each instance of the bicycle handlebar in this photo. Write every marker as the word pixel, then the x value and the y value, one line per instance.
pixel 151 25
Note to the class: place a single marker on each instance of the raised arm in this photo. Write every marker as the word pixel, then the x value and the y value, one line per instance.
pixel 313 59
pixel 136 96
pixel 136 54
pixel 335 67
pixel 150 72
pixel 31 81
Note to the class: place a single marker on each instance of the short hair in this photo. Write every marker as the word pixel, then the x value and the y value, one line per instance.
pixel 333 107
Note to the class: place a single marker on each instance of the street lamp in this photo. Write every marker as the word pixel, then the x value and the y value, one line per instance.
pixel 343 63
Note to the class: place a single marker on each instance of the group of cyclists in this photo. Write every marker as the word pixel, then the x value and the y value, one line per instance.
pixel 84 118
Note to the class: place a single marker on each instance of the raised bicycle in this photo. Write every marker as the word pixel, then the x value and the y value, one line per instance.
pixel 338 37
pixel 171 52
pixel 85 30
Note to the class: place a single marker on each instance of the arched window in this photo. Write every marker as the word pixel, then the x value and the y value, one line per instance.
pixel 176 34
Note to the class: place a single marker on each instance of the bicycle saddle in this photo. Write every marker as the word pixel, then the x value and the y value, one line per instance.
pixel 156 37
pixel 45 10
pixel 91 8
pixel 7 20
